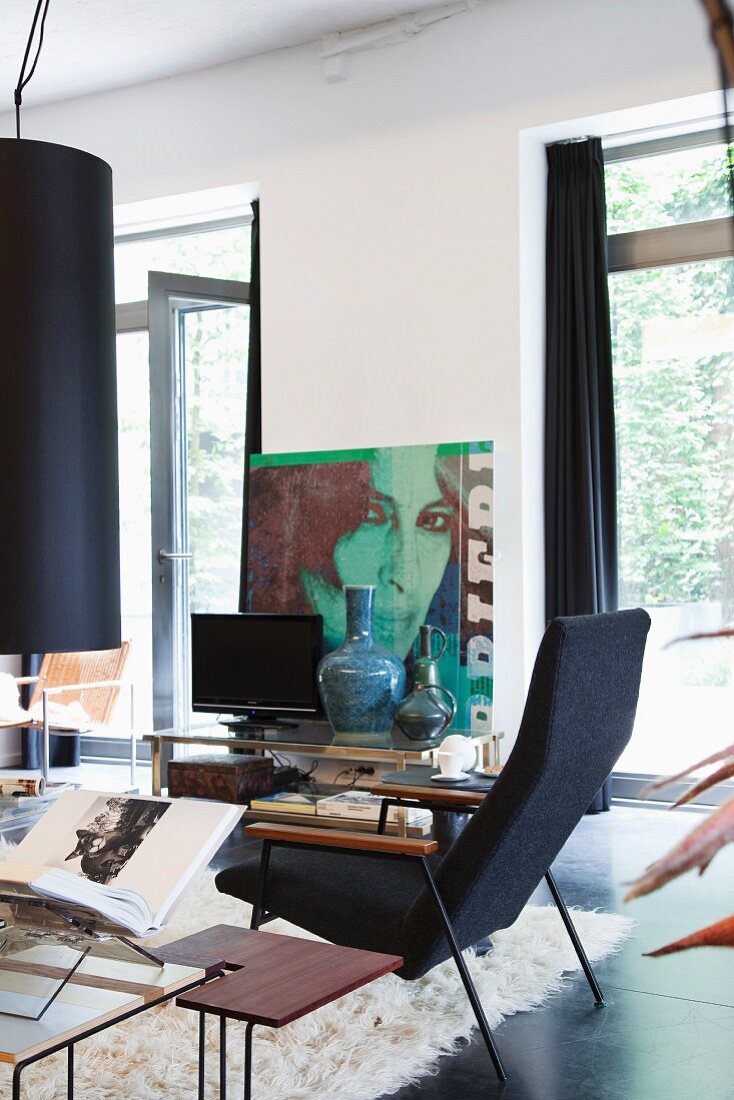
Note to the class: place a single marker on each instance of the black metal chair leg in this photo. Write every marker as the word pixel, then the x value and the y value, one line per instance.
pixel 465 975
pixel 577 944
pixel 258 909
pixel 16 1081
pixel 70 1072
pixel 248 1061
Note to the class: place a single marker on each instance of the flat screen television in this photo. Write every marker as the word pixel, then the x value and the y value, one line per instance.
pixel 257 666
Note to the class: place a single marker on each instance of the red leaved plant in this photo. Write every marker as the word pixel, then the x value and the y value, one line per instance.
pixel 699 847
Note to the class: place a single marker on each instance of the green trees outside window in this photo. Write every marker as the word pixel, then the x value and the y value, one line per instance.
pixel 673 344
pixel 672 315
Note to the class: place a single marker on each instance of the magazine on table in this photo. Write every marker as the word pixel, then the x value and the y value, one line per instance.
pixel 288 802
pixel 362 805
pixel 125 858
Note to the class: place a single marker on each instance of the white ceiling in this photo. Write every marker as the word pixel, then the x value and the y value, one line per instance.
pixel 91 45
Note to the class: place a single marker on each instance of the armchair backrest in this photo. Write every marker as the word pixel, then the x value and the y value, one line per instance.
pixel 578 717
pixel 59 669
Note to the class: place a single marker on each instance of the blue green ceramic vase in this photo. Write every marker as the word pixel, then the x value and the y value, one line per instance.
pixel 361 682
pixel 430 708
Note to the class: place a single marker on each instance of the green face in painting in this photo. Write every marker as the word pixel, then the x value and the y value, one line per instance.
pixel 402 547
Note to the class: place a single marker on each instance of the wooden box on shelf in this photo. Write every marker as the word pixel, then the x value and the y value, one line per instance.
pixel 226 778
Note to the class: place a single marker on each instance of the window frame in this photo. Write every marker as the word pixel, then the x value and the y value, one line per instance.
pixel 689 242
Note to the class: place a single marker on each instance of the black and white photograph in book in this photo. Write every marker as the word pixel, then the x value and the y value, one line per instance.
pixel 115 829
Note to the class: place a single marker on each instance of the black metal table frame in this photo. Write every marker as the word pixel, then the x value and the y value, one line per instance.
pixel 223 1056
pixel 404 802
pixel 69 1044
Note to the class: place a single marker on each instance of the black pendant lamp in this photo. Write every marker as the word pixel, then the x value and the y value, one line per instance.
pixel 59 540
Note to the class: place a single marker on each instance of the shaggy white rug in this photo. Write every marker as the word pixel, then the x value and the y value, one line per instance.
pixel 368 1044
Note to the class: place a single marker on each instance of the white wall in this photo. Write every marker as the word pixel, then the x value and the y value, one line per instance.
pixel 391 227
pixel 10 748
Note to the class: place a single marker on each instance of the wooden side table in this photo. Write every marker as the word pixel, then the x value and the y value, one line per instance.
pixel 276 979
pixel 450 804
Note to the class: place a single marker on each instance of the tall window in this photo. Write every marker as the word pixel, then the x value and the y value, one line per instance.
pixel 672 312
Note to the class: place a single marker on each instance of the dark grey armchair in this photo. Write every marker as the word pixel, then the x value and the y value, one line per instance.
pixel 406 900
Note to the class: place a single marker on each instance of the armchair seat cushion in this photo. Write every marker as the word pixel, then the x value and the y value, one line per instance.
pixel 355 901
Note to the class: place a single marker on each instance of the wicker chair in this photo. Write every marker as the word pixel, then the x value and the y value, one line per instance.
pixel 94 679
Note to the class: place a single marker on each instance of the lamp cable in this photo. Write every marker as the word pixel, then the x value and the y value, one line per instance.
pixel 22 78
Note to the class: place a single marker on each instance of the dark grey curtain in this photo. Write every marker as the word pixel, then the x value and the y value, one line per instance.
pixel 580 447
pixel 253 412
pixel 64 752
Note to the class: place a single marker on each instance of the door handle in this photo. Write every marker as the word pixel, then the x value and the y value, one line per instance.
pixel 163 555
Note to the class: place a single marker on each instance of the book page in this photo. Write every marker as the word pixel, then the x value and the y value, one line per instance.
pixel 150 845
pixel 18 874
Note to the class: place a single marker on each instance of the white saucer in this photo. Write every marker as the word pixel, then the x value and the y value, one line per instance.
pixel 438 778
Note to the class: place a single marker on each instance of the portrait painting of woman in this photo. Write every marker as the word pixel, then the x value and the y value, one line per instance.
pixel 394 517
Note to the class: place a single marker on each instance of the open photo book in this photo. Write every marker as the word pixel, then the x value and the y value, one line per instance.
pixel 126 859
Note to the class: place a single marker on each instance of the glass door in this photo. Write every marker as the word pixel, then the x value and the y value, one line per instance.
pixel 199 331
pixel 673 329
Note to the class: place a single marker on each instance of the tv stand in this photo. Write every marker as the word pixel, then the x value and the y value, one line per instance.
pixel 245 724
pixel 313 739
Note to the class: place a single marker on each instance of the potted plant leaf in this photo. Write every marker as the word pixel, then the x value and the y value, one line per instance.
pixel 698 847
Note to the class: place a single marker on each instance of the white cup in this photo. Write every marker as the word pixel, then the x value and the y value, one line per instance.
pixel 456 742
pixel 450 764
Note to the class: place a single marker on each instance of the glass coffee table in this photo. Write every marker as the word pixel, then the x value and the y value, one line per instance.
pixel 100 993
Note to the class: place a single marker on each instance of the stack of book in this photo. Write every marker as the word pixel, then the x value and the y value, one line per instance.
pixel 354 809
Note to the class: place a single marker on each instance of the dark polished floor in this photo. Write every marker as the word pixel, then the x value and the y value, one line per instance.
pixel 667 1030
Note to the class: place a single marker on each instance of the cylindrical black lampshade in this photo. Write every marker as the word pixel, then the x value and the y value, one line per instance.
pixel 59 533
